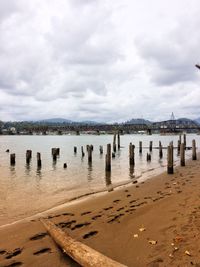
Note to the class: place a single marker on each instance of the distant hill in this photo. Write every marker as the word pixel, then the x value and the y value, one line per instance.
pixel 55 120
pixel 197 120
pixel 138 121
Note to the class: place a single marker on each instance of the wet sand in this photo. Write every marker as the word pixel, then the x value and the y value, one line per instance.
pixel 121 224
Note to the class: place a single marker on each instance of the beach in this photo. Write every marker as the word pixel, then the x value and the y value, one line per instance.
pixel 153 223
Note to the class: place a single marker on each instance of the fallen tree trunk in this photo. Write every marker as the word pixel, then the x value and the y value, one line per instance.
pixel 81 253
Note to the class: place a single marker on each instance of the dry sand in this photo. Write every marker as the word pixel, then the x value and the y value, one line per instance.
pixel 166 207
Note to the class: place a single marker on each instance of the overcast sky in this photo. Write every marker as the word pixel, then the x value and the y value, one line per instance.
pixel 103 60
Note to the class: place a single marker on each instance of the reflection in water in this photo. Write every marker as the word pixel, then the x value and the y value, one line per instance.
pixel 108 181
pixel 12 171
pixel 90 169
pixel 27 169
pixel 54 164
pixel 131 172
pixel 38 172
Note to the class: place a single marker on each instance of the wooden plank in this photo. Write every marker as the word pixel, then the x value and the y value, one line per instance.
pixel 81 253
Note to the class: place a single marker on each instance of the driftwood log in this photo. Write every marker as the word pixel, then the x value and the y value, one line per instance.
pixel 82 254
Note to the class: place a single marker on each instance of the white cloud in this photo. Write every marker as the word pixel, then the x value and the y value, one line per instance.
pixel 101 60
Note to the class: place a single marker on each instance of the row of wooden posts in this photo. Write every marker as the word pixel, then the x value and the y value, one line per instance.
pixel 181 152
pixel 109 154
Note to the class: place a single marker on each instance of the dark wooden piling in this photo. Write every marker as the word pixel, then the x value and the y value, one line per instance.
pixel 12 159
pixel 182 153
pixel 140 147
pixel 101 149
pixel 170 164
pixel 184 140
pixel 114 143
pixel 39 161
pixel 28 156
pixel 54 154
pixel 75 149
pixel 160 150
pixel 178 147
pixel 118 140
pixel 148 157
pixel 194 152
pixel 87 147
pixel 180 138
pixel 131 154
pixel 82 152
pixel 108 158
pixel 90 154
pixel 58 151
pixel 65 165
pixel 113 154
pixel 150 146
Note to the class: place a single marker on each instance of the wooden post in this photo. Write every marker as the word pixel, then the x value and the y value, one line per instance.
pixel 81 253
pixel 150 146
pixel 131 154
pixel 182 152
pixel 118 139
pixel 82 152
pixel 39 162
pixel 184 140
pixel 12 159
pixel 58 151
pixel 148 157
pixel 108 158
pixel 178 147
pixel 160 150
pixel 170 167
pixel 54 154
pixel 114 143
pixel 28 156
pixel 140 147
pixel 75 149
pixel 89 154
pixel 101 149
pixel 180 138
pixel 194 153
pixel 65 165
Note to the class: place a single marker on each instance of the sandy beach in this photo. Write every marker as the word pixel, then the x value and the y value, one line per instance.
pixel 154 223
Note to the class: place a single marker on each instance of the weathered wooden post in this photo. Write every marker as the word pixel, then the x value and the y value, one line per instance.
pixel 148 157
pixel 89 154
pixel 180 138
pixel 65 165
pixel 182 152
pixel 39 162
pixel 58 151
pixel 12 159
pixel 108 158
pixel 101 149
pixel 160 150
pixel 184 140
pixel 178 147
pixel 28 156
pixel 150 146
pixel 82 152
pixel 92 147
pixel 140 147
pixel 114 142
pixel 118 139
pixel 170 167
pixel 75 149
pixel 131 154
pixel 54 154
pixel 87 147
pixel 194 153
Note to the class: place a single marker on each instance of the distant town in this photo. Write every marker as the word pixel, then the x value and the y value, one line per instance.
pixel 67 127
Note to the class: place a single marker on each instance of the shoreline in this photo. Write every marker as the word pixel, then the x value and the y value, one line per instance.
pixel 166 208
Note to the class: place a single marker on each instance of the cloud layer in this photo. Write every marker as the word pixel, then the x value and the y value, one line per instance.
pixel 98 59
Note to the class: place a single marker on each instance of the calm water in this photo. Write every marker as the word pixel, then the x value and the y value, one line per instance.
pixel 25 190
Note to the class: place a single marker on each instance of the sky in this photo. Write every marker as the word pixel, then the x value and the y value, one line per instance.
pixel 102 60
